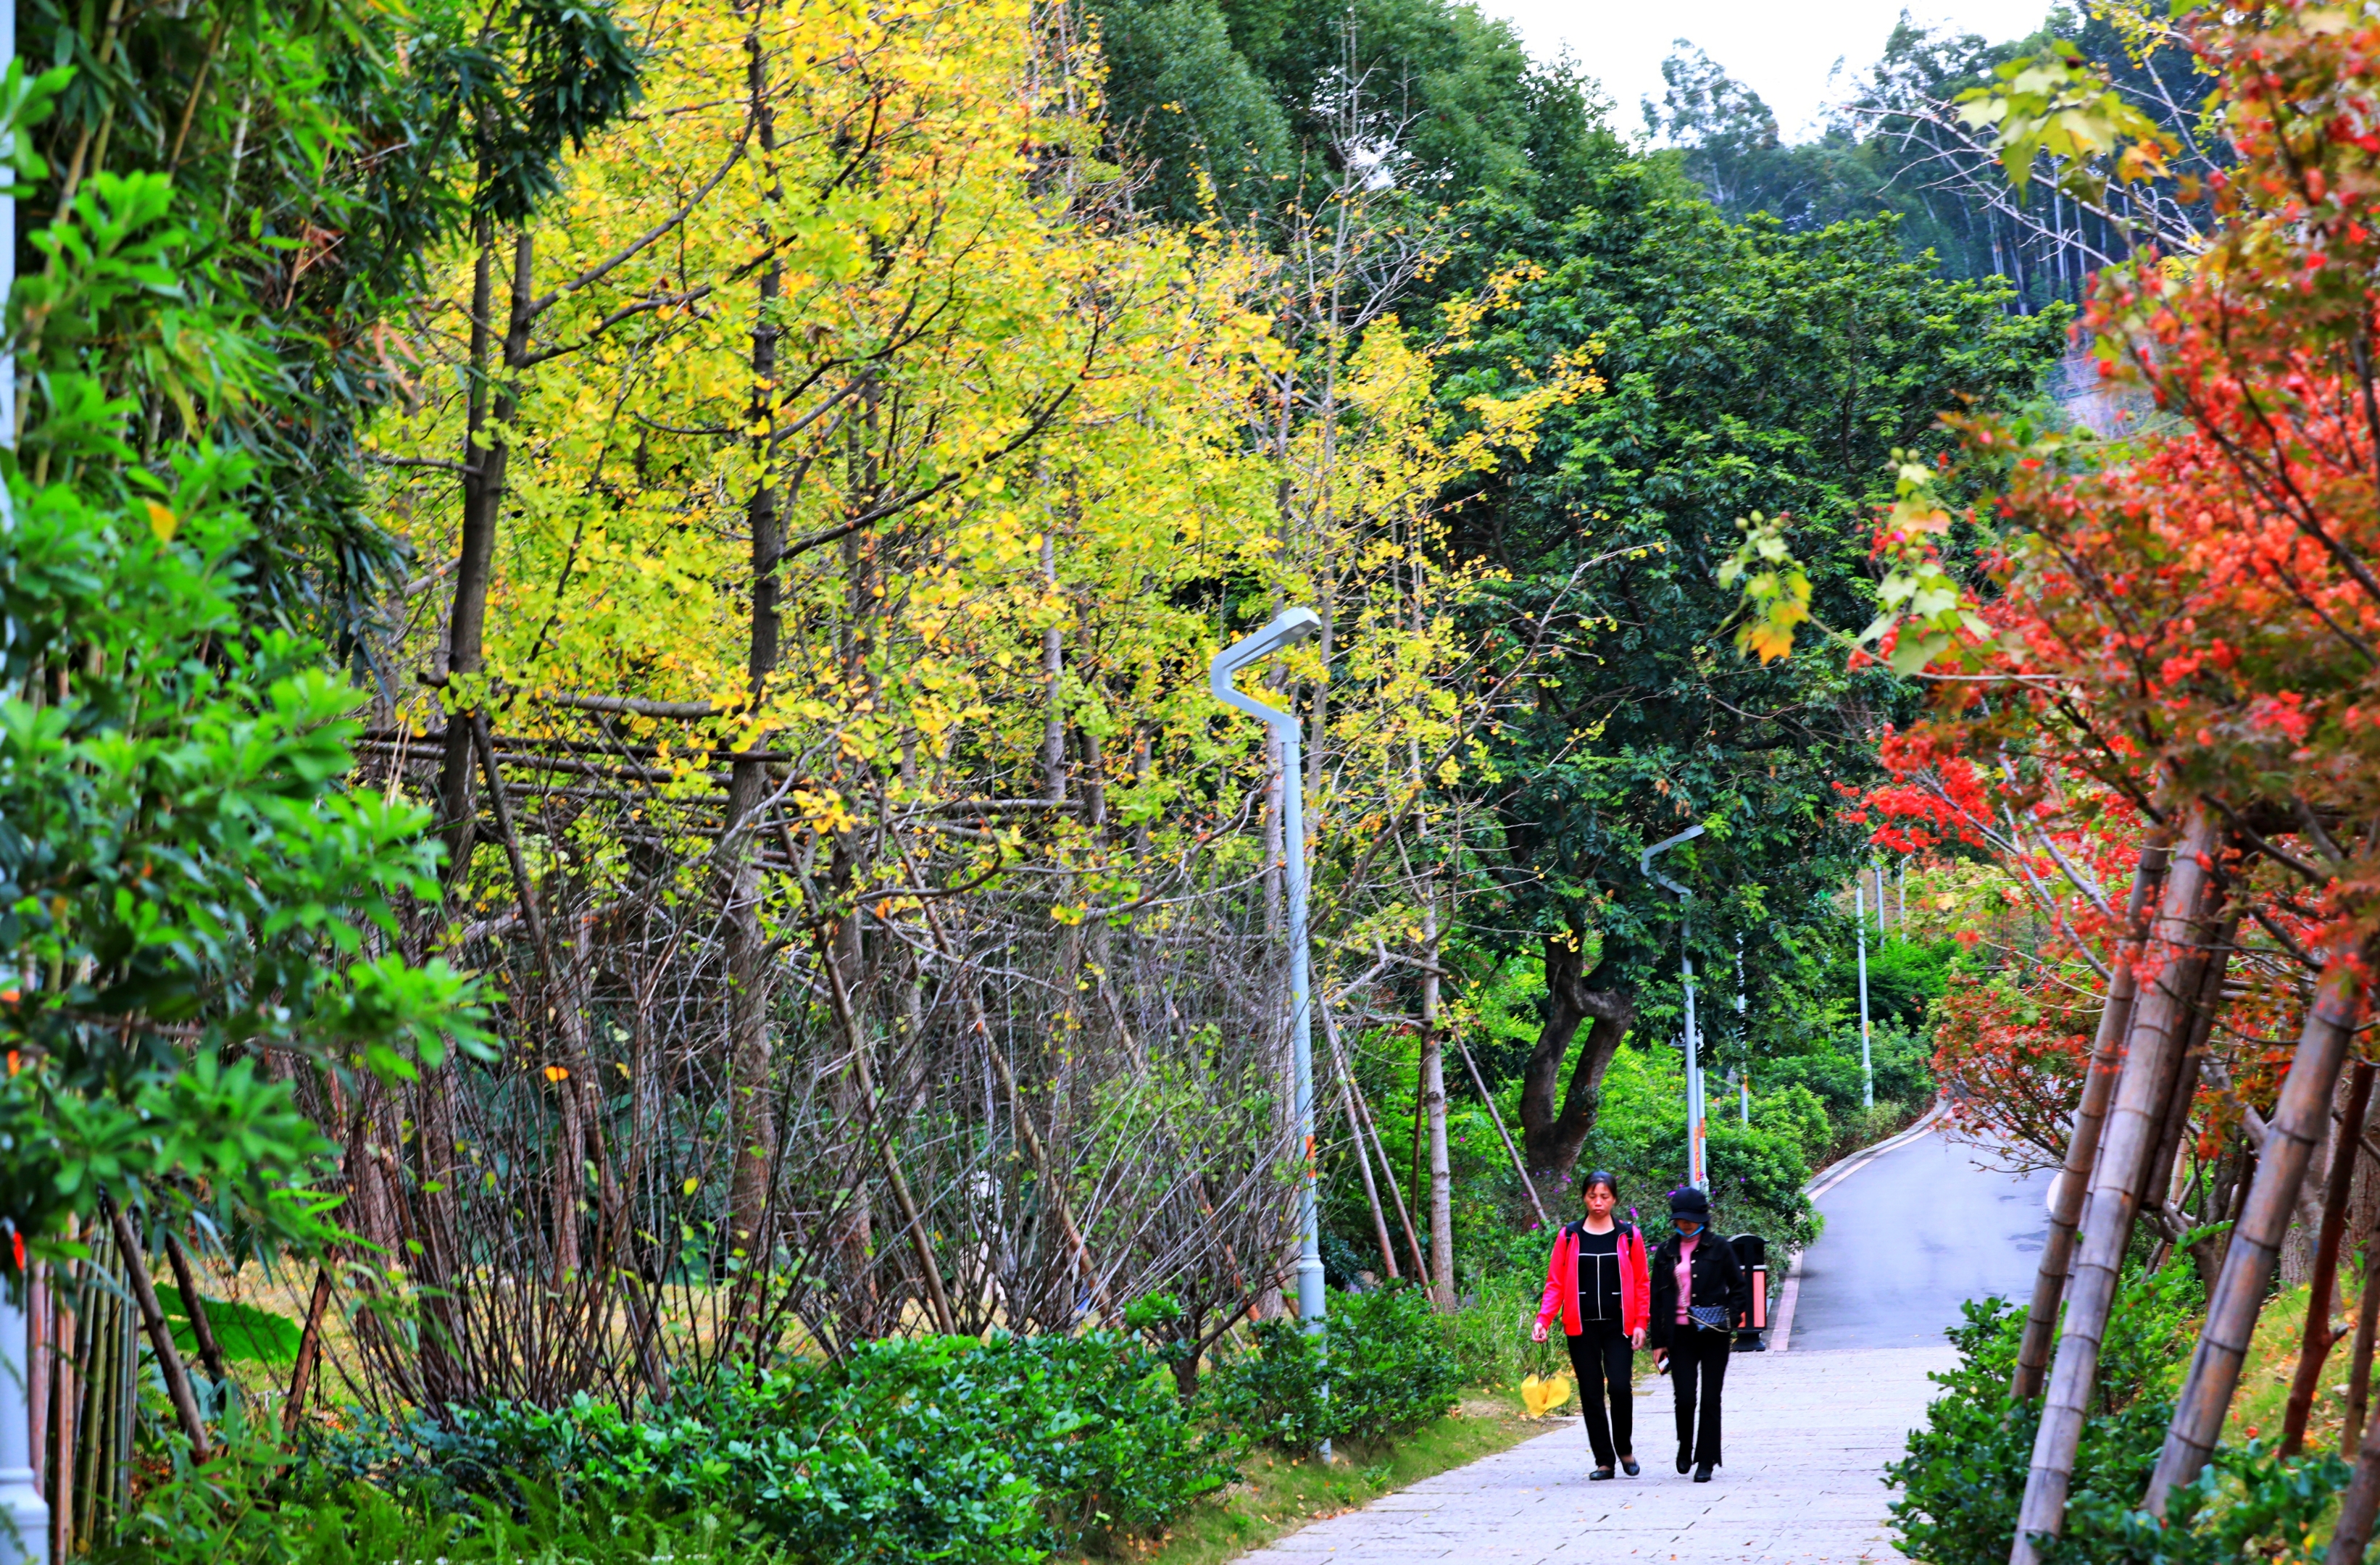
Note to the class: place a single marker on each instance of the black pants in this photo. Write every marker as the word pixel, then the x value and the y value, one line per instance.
pixel 1601 1359
pixel 1698 1360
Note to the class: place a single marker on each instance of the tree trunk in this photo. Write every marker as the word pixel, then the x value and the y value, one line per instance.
pixel 2367 1325
pixel 2353 1529
pixel 2319 1338
pixel 485 453
pixel 2299 1121
pixel 921 1239
pixel 2083 1146
pixel 750 1051
pixel 1552 1130
pixel 2159 1022
pixel 1442 1170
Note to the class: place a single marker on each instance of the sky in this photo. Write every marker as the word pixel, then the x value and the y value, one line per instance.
pixel 1785 50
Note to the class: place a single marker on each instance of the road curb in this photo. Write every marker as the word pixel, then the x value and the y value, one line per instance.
pixel 1828 1179
pixel 1781 1324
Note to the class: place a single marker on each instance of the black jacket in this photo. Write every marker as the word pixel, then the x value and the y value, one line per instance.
pixel 1719 1278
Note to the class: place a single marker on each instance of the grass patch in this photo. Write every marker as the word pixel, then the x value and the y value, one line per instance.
pixel 2271 1362
pixel 1278 1496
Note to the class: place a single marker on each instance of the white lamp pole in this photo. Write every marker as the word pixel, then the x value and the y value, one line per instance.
pixel 24 1515
pixel 1697 1152
pixel 1287 629
pixel 1867 1062
pixel 1742 1038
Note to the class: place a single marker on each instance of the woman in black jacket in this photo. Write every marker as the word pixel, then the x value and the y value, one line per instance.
pixel 1694 1271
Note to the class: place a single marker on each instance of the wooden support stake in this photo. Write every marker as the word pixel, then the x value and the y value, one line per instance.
pixel 2083 1146
pixel 2367 1327
pixel 309 1352
pixel 1509 1151
pixel 1371 1189
pixel 2299 1121
pixel 2159 1021
pixel 1404 1214
pixel 194 1304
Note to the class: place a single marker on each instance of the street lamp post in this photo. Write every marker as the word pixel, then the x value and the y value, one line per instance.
pixel 1697 1152
pixel 1858 916
pixel 1287 629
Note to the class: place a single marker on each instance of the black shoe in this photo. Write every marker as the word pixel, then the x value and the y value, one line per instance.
pixel 1685 1458
pixel 1628 1465
pixel 1702 1473
pixel 1600 1472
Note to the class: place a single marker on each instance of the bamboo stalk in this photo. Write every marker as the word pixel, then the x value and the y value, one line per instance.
pixel 40 1352
pixel 2181 1089
pixel 161 1338
pixel 95 1427
pixel 64 1339
pixel 2298 1122
pixel 2156 1028
pixel 2082 1146
pixel 2314 1351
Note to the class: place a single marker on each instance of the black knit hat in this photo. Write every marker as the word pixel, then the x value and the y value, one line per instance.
pixel 1690 1203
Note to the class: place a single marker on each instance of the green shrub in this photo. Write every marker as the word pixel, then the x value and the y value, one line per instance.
pixel 1965 1473
pixel 1903 1062
pixel 252 1506
pixel 1384 1358
pixel 977 1453
pixel 1799 1115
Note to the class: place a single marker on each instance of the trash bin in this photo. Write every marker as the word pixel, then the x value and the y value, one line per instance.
pixel 1752 1253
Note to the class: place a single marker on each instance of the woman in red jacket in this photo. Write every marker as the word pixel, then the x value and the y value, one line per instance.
pixel 1598 1280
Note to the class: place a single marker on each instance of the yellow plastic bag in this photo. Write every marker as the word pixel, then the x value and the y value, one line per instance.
pixel 1542 1396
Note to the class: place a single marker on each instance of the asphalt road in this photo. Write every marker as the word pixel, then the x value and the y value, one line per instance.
pixel 1910 1235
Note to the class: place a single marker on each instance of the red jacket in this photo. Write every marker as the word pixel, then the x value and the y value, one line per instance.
pixel 1562 1281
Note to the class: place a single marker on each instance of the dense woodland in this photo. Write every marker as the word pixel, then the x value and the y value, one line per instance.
pixel 629 907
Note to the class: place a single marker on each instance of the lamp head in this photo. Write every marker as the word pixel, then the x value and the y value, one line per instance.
pixel 1645 864
pixel 1285 629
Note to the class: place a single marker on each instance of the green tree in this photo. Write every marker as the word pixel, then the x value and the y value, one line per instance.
pixel 1265 101
pixel 1748 370
pixel 1725 139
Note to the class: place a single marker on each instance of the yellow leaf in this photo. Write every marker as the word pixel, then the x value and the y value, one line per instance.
pixel 557 1073
pixel 162 522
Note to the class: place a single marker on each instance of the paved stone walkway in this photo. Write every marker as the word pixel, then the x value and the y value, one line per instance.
pixel 1808 1434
